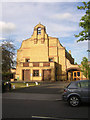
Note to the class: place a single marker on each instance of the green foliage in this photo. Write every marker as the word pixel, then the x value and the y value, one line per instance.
pixel 6 76
pixel 75 63
pixel 85 67
pixel 23 85
pixel 84 23
pixel 7 56
pixel 88 50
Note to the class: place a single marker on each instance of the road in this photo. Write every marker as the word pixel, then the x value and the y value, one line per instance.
pixel 29 108
pixel 40 101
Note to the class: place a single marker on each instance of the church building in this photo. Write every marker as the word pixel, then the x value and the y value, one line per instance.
pixel 43 58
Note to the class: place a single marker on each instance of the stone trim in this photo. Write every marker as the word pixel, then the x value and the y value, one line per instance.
pixel 52 46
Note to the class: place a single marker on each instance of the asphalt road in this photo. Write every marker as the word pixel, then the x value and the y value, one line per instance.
pixel 39 108
pixel 41 102
pixel 44 88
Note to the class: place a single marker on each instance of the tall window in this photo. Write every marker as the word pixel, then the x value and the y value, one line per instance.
pixel 35 73
pixel 39 31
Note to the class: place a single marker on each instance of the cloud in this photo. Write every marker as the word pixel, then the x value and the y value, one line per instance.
pixel 2 38
pixel 20 39
pixel 67 16
pixel 77 47
pixel 61 30
pixel 78 50
pixel 43 0
pixel 48 18
pixel 60 19
pixel 7 27
pixel 62 16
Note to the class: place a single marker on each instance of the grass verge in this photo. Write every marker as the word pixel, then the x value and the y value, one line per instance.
pixel 22 85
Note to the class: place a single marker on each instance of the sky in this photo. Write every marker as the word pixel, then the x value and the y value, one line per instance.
pixel 61 19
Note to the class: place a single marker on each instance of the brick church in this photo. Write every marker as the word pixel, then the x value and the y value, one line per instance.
pixel 43 58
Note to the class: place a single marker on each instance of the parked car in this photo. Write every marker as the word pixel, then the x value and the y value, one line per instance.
pixel 77 92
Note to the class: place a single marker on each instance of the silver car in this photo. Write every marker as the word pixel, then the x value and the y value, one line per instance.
pixel 77 92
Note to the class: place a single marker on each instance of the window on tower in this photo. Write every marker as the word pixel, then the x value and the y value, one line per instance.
pixel 39 31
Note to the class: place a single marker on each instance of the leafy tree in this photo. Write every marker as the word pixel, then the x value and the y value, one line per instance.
pixel 8 52
pixel 75 63
pixel 85 67
pixel 88 50
pixel 85 23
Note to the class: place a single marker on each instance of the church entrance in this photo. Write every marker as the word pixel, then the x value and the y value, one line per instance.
pixel 73 74
pixel 26 75
pixel 47 75
pixel 76 75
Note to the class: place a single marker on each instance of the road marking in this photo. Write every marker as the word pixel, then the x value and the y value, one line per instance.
pixel 43 117
pixel 52 118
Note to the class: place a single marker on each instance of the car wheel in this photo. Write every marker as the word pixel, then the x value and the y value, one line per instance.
pixel 74 101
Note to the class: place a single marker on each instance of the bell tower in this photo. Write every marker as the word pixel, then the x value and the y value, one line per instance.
pixel 39 33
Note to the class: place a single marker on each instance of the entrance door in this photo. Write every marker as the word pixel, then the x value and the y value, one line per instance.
pixel 26 75
pixel 76 75
pixel 47 75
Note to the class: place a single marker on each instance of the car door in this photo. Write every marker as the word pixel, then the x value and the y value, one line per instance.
pixel 85 90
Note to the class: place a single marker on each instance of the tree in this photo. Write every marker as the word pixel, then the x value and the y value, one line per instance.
pixel 85 67
pixel 85 23
pixel 75 63
pixel 8 52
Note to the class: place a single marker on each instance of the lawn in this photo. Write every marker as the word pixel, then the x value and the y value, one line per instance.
pixel 23 85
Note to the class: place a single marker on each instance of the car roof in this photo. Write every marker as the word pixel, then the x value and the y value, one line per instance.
pixel 81 81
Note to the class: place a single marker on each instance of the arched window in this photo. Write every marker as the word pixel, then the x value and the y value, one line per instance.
pixel 39 31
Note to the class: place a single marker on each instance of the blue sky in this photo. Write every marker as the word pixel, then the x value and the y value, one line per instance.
pixel 60 18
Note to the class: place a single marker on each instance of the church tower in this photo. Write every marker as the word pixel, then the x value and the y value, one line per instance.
pixel 39 33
